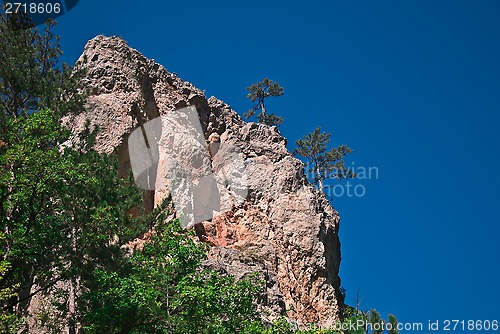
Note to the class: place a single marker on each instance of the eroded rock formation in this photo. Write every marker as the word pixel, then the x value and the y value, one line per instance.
pixel 284 229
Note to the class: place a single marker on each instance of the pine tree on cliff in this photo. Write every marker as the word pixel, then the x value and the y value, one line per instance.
pixel 323 163
pixel 258 93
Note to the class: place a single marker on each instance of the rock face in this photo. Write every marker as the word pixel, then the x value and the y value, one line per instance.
pixel 284 229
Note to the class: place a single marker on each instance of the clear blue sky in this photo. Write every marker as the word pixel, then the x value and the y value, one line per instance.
pixel 412 86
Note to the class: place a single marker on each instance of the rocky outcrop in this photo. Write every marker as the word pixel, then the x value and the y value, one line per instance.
pixel 283 229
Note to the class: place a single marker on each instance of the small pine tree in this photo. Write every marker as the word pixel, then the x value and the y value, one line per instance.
pixel 323 163
pixel 258 93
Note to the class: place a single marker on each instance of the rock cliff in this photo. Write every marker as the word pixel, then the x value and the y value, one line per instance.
pixel 283 229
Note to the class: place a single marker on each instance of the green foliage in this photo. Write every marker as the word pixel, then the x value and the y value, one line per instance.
pixel 160 290
pixel 209 302
pixel 136 297
pixel 352 322
pixel 374 319
pixel 394 324
pixel 357 322
pixel 280 326
pixel 63 209
pixel 324 163
pixel 352 316
pixel 31 77
pixel 7 319
pixel 258 93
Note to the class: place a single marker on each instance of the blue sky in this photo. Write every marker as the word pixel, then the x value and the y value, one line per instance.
pixel 412 86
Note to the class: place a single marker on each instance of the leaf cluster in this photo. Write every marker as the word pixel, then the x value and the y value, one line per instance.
pixel 31 77
pixel 161 290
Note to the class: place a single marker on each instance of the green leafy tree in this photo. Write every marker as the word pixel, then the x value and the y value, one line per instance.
pixel 258 93
pixel 161 290
pixel 63 211
pixel 31 79
pixel 323 163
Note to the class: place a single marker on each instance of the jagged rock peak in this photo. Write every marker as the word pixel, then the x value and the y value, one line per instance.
pixel 287 229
